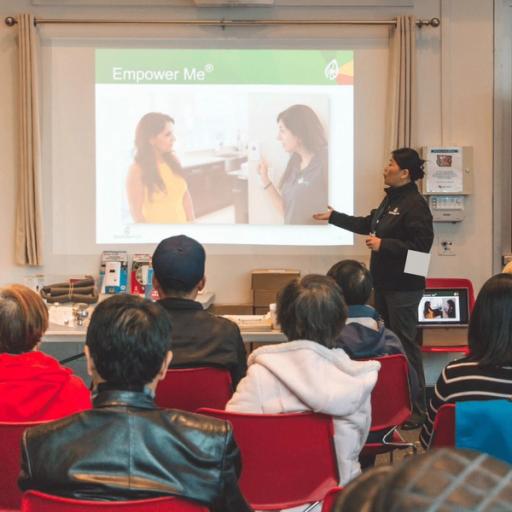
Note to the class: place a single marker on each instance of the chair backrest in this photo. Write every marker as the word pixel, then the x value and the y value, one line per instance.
pixel 391 399
pixel 288 459
pixel 330 498
pixel 454 282
pixel 191 388
pixel 35 501
pixel 10 443
pixel 443 431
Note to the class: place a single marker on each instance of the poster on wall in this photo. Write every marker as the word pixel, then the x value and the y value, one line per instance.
pixel 444 170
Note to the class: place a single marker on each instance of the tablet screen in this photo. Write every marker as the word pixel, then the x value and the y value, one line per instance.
pixel 444 306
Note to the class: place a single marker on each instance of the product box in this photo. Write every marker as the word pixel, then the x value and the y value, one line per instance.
pixel 272 279
pixel 150 292
pixel 266 283
pixel 114 272
pixel 140 275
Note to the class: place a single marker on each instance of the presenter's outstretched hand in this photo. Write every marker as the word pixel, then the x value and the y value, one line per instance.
pixel 373 243
pixel 324 215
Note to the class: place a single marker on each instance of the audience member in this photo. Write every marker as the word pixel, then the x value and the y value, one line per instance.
pixel 437 481
pixel 364 334
pixel 308 373
pixel 199 338
pixel 33 385
pixel 487 372
pixel 126 448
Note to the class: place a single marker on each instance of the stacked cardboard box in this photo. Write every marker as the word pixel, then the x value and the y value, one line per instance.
pixel 265 285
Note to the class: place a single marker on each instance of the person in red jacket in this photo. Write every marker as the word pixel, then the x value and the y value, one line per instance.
pixel 33 385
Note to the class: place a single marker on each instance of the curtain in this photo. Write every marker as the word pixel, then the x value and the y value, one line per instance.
pixel 28 234
pixel 402 84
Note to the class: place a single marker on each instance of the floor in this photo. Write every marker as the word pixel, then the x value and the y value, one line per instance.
pixel 410 436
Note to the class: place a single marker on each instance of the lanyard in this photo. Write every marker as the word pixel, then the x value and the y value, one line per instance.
pixel 381 210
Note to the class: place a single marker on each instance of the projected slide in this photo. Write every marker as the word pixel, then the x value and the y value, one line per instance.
pixel 228 146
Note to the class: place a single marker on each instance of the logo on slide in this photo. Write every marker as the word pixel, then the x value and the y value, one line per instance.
pixel 331 70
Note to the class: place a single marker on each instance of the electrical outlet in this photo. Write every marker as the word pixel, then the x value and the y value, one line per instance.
pixel 446 247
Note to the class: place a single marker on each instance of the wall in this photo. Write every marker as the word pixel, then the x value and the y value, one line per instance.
pixel 455 101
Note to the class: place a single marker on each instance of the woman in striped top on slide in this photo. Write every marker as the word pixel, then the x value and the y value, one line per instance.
pixel 486 373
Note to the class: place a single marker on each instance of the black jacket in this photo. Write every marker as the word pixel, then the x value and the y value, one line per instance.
pixel 125 449
pixel 403 221
pixel 202 339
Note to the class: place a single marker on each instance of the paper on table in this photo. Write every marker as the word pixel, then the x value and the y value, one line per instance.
pixel 61 315
pixel 417 263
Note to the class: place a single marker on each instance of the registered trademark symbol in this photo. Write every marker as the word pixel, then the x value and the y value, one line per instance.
pixel 208 68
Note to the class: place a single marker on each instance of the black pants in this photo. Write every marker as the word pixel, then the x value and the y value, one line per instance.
pixel 399 311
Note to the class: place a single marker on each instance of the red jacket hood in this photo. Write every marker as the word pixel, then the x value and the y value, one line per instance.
pixel 34 386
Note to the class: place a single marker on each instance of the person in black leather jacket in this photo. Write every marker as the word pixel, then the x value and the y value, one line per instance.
pixel 402 222
pixel 126 448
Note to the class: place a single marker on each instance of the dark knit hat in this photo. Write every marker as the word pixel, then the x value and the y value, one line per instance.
pixel 178 263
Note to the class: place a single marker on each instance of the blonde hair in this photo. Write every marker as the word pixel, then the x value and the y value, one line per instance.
pixel 23 319
pixel 507 269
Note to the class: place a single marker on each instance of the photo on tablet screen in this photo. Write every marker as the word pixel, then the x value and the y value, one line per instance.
pixel 443 306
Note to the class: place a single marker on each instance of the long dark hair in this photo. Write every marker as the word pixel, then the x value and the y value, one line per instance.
pixel 490 327
pixel 149 126
pixel 303 122
pixel 408 158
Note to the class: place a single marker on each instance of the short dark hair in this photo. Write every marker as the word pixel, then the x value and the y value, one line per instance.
pixel 490 327
pixel 354 279
pixel 408 158
pixel 128 338
pixel 178 263
pixel 312 308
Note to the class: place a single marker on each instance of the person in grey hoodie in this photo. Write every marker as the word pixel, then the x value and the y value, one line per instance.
pixel 364 334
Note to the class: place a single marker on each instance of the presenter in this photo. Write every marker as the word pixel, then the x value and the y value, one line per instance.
pixel 402 222
pixel 303 188
pixel 157 192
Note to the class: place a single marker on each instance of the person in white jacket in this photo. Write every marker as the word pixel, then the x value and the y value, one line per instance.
pixel 306 374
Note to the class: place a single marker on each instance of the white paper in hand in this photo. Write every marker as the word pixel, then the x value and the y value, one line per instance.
pixel 417 263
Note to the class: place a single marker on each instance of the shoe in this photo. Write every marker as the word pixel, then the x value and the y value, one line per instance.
pixel 411 425
pixel 415 421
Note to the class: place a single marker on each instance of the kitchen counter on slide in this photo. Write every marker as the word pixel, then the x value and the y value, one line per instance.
pixel 215 181
pixel 200 158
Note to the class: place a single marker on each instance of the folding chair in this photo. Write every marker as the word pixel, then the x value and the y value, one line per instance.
pixel 10 436
pixel 288 459
pixel 391 406
pixel 443 430
pixel 35 501
pixel 191 388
